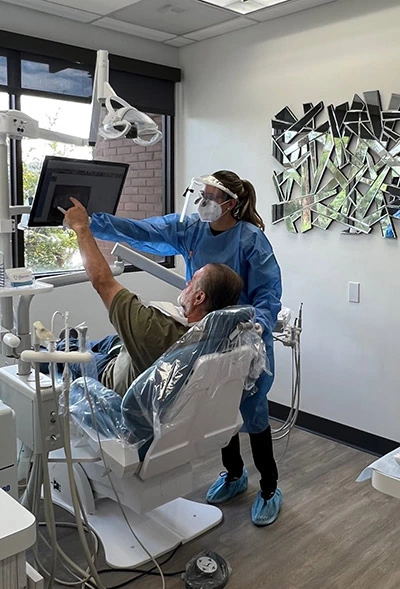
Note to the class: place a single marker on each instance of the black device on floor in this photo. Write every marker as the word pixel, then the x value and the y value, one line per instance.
pixel 208 570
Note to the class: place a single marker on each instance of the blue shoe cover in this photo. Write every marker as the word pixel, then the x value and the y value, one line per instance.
pixel 224 489
pixel 265 512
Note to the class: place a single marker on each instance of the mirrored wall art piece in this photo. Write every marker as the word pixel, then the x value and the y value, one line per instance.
pixel 340 164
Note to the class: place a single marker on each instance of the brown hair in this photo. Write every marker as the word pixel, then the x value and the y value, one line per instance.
pixel 245 208
pixel 221 285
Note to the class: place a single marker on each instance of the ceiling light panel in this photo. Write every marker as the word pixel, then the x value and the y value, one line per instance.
pixel 266 9
pixel 244 6
pixel 129 29
pixel 173 16
pixel 102 7
pixel 55 9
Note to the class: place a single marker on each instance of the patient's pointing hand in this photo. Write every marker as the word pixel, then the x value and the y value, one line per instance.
pixel 76 217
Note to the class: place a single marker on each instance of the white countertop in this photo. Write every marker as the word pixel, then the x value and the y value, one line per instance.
pixel 17 527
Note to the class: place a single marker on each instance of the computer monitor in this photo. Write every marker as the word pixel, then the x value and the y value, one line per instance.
pixel 96 184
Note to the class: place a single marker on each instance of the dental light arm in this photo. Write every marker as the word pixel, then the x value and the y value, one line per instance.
pixel 143 263
pixel 121 119
pixel 15 124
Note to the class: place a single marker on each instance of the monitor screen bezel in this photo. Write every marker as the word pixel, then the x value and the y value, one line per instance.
pixel 48 158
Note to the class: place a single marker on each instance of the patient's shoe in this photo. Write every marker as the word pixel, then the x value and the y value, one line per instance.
pixel 265 512
pixel 225 488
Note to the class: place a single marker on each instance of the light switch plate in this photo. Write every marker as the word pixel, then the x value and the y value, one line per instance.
pixel 354 292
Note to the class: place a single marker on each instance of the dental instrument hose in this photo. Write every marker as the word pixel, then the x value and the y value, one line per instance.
pixel 291 337
pixel 39 474
pixel 289 423
pixel 76 502
pixel 69 564
pixel 49 512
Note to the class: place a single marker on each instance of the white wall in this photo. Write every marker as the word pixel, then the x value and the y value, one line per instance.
pixel 46 26
pixel 233 85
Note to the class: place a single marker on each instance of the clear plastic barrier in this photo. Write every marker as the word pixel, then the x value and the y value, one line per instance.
pixel 156 397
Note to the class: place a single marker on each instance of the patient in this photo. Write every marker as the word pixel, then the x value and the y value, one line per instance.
pixel 145 332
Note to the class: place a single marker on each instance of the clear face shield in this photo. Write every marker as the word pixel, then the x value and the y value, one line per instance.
pixel 208 193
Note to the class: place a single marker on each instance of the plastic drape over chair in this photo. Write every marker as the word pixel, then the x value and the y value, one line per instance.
pixel 158 398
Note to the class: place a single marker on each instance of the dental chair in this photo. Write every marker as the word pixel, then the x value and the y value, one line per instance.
pixel 185 406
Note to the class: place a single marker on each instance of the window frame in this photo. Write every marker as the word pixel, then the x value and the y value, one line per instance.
pixel 15 90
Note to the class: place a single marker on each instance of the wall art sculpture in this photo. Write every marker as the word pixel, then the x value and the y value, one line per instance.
pixel 344 169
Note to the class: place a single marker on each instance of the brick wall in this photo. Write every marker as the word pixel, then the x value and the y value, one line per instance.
pixel 142 195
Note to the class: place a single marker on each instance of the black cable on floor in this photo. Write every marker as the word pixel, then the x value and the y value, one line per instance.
pixel 142 572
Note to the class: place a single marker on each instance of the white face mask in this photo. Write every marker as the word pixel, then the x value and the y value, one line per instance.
pixel 210 211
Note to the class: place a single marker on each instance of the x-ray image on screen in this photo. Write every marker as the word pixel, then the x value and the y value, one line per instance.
pixel 96 184
pixel 61 198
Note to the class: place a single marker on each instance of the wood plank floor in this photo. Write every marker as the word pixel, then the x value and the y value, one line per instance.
pixel 333 533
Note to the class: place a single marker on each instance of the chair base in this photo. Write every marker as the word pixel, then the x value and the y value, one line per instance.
pixel 160 530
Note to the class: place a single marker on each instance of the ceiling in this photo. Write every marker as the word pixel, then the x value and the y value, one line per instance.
pixel 173 22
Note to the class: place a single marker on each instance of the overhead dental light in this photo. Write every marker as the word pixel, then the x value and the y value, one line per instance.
pixel 125 121
pixel 128 122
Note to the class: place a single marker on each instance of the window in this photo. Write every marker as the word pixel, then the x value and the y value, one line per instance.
pixel 57 93
pixel 3 101
pixel 3 70
pixel 55 76
pixel 51 250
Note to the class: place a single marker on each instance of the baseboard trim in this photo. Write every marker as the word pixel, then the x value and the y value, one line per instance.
pixel 344 434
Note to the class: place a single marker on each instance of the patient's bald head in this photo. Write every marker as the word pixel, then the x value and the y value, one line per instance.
pixel 212 287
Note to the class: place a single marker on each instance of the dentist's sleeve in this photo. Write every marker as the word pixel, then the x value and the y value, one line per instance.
pixel 264 287
pixel 162 236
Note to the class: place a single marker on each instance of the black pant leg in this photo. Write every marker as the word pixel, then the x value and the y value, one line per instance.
pixel 231 458
pixel 263 456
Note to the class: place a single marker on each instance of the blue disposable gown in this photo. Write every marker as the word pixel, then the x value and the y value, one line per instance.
pixel 244 248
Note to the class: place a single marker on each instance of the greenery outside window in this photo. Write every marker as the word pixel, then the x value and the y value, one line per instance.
pixel 51 250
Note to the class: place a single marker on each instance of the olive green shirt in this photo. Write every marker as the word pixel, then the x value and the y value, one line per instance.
pixel 146 333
